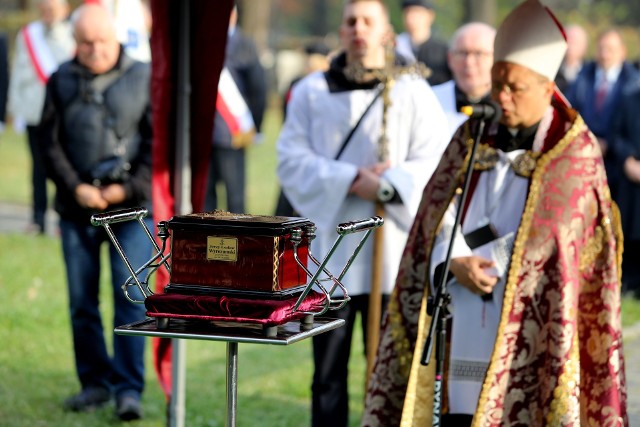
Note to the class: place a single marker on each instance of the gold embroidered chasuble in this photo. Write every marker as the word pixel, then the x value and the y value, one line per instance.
pixel 558 357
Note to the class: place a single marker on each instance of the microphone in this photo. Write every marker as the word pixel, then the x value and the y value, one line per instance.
pixel 489 110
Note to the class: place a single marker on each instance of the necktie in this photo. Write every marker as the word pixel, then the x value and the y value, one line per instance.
pixel 601 93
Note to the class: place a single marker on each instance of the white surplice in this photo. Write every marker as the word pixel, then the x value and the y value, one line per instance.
pixel 446 94
pixel 499 198
pixel 317 185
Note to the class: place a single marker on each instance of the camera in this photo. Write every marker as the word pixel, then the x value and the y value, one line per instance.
pixel 113 170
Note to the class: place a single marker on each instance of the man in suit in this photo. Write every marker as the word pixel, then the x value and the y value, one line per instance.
pixel 597 91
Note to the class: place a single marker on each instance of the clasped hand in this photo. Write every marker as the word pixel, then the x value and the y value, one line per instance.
pixel 99 198
pixel 632 170
pixel 367 181
pixel 470 272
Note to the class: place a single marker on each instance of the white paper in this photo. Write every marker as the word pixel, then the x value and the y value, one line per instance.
pixel 499 251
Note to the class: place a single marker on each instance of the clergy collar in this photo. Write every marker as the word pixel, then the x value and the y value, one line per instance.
pixel 522 139
pixel 462 99
pixel 338 82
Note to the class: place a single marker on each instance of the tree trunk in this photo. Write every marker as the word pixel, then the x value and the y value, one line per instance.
pixel 255 20
pixel 481 11
pixel 319 23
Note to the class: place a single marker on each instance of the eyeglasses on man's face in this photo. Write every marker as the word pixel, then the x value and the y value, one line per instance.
pixel 474 54
pixel 510 89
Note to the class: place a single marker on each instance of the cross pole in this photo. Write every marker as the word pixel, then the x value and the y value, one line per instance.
pixel 387 77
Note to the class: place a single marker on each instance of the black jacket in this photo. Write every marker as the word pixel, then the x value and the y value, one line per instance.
pixel 625 143
pixel 433 53
pixel 80 129
pixel 4 76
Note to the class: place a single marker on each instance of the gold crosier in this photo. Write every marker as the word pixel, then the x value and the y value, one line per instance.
pixel 387 77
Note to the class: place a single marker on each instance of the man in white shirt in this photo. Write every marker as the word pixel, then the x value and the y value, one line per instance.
pixel 331 178
pixel 40 47
pixel 470 59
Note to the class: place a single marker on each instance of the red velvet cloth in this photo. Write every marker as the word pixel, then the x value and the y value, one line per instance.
pixel 207 29
pixel 231 309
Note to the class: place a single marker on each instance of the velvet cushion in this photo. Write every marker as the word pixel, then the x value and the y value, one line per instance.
pixel 233 309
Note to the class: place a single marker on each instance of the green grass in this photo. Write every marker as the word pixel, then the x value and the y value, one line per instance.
pixel 36 361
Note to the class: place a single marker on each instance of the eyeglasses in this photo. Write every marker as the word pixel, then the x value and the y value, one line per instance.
pixel 475 54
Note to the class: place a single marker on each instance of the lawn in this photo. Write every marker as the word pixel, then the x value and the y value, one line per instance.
pixel 36 364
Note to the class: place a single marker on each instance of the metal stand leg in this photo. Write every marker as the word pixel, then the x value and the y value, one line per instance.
pixel 232 383
pixel 178 374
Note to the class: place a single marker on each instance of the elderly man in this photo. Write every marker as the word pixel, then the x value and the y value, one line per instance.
pixel 96 134
pixel 546 347
pixel 470 58
pixel 330 170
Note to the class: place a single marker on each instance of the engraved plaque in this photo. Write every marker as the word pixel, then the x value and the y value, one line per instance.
pixel 222 248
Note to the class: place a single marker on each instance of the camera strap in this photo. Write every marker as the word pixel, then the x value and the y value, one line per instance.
pixel 99 85
pixel 355 127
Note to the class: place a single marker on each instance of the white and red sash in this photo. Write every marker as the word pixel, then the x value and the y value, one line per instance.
pixel 41 56
pixel 234 110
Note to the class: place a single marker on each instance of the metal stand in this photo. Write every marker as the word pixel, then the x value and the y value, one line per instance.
pixel 232 334
pixel 437 305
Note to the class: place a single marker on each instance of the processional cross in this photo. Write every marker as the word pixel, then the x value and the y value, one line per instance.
pixel 387 77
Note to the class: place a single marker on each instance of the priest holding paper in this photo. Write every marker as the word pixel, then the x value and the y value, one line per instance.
pixel 534 276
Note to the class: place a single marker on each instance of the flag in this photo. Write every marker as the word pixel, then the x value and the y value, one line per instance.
pixel 207 30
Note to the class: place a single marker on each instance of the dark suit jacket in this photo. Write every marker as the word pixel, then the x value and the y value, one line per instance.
pixel 433 53
pixel 4 76
pixel 625 142
pixel 582 95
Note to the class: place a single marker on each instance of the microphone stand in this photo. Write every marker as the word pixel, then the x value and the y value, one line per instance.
pixel 437 305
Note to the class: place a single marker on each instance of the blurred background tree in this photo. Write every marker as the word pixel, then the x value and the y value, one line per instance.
pixel 278 25
pixel 285 23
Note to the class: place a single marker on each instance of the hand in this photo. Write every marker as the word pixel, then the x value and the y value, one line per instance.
pixel 19 125
pixel 603 146
pixel 366 183
pixel 90 197
pixel 632 170
pixel 113 193
pixel 469 272
pixel 379 168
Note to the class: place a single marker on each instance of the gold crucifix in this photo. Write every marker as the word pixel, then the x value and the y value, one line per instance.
pixel 387 77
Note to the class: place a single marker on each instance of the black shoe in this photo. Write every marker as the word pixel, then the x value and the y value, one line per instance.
pixel 87 400
pixel 128 408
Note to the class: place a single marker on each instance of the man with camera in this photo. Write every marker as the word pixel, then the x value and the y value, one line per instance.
pixel 96 139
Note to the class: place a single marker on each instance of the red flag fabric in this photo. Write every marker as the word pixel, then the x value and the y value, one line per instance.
pixel 207 30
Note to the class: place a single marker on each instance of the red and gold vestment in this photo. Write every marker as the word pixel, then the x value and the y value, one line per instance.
pixel 558 356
